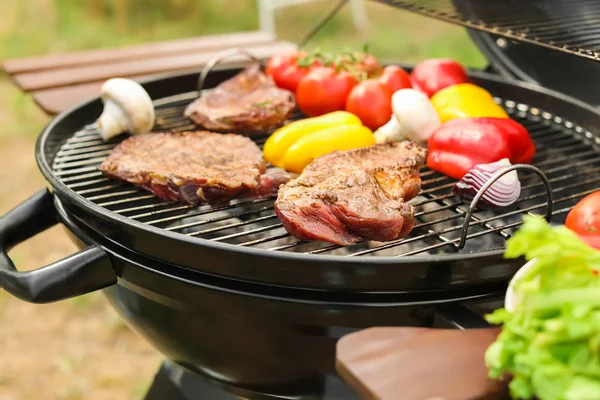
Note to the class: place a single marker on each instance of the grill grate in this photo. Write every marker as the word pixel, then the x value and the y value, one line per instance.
pixel 567 26
pixel 567 154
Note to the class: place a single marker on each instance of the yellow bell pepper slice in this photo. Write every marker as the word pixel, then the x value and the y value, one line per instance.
pixel 465 100
pixel 309 147
pixel 285 137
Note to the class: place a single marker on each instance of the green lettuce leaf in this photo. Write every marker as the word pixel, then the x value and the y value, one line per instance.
pixel 550 345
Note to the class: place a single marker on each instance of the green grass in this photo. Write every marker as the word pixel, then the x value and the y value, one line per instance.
pixel 70 25
pixel 140 389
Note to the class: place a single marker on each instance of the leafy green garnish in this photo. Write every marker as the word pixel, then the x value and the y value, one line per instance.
pixel 263 103
pixel 550 344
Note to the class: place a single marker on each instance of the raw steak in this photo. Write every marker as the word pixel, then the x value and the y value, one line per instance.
pixel 193 167
pixel 349 196
pixel 247 103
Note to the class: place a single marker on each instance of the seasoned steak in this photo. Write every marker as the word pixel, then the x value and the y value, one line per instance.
pixel 247 103
pixel 193 167
pixel 349 196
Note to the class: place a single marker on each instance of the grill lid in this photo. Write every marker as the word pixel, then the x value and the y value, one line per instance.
pixel 565 26
pixel 244 239
pixel 552 43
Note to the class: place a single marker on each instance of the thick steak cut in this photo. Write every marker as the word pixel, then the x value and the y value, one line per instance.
pixel 346 197
pixel 193 167
pixel 247 103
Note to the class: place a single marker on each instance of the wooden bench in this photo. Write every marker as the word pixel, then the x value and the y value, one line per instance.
pixel 59 81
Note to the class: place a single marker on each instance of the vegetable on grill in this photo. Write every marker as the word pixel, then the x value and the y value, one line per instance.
pixel 282 139
pixel 584 219
pixel 433 75
pixel 460 144
pixel 395 78
pixel 324 90
pixel 502 193
pixel 466 100
pixel 288 70
pixel 522 148
pixel 371 101
pixel 127 108
pixel 550 341
pixel 316 144
pixel 413 118
pixel 285 70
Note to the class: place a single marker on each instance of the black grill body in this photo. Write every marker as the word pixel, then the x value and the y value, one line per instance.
pixel 275 342
pixel 248 242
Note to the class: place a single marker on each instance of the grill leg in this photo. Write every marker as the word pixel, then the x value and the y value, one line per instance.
pixel 163 387
pixel 172 382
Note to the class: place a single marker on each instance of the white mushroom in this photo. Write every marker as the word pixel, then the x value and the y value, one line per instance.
pixel 127 108
pixel 414 118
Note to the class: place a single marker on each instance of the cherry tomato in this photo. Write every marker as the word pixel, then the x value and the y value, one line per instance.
pixel 584 219
pixel 371 101
pixel 431 76
pixel 284 70
pixel 395 78
pixel 279 62
pixel 324 90
pixel 369 65
pixel 360 64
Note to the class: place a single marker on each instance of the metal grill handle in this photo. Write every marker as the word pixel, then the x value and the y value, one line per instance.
pixel 83 272
pixel 216 60
pixel 499 174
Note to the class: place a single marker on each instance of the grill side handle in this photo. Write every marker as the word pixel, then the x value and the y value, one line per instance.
pixel 85 271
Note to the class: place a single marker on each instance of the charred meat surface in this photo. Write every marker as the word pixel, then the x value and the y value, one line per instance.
pixel 194 167
pixel 247 103
pixel 346 197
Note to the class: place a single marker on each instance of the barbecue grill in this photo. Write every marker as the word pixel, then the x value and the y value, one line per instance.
pixel 226 294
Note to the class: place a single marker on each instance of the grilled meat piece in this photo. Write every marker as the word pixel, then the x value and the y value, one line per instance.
pixel 193 167
pixel 248 103
pixel 346 197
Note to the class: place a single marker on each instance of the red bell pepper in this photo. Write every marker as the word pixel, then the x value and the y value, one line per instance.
pixel 460 144
pixel 431 76
pixel 522 148
pixel 584 219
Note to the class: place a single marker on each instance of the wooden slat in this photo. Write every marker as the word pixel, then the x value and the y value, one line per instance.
pixel 418 364
pixel 57 100
pixel 138 52
pixel 77 75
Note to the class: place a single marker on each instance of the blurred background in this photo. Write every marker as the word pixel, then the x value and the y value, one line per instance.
pixel 80 348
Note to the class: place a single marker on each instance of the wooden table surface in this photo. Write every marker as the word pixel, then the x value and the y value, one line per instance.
pixel 418 364
pixel 60 81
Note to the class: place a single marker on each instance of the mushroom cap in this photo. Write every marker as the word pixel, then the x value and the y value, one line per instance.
pixel 417 117
pixel 137 110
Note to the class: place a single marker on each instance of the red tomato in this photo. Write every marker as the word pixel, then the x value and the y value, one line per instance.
pixel 370 65
pixel 434 74
pixel 324 90
pixel 279 62
pixel 284 70
pixel 361 64
pixel 395 78
pixel 371 101
pixel 584 219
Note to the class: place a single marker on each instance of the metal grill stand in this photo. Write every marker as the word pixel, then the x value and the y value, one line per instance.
pixel 174 383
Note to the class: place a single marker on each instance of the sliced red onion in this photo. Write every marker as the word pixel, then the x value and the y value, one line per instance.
pixel 504 192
